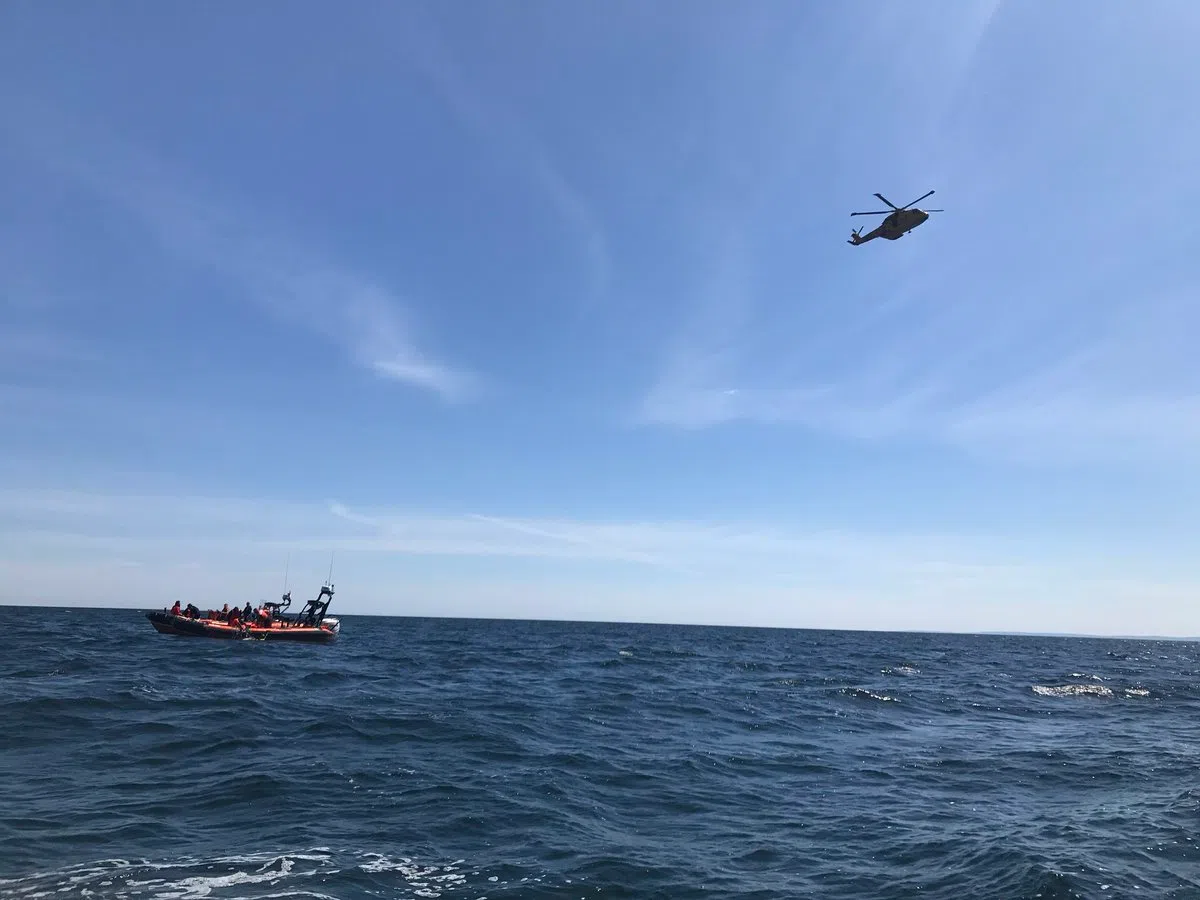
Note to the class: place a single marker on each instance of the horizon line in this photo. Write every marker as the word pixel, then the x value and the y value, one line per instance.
pixel 666 624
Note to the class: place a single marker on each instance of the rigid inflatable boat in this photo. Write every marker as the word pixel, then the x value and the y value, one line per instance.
pixel 270 624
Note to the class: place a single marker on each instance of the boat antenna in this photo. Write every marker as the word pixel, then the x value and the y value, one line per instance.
pixel 286 568
pixel 329 580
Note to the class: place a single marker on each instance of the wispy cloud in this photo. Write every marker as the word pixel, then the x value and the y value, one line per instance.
pixel 118 521
pixel 133 546
pixel 1063 375
pixel 264 264
pixel 1042 413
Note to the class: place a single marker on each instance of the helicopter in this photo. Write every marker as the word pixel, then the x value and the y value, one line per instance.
pixel 899 222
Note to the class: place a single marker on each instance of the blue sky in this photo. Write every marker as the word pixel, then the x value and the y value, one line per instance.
pixel 547 310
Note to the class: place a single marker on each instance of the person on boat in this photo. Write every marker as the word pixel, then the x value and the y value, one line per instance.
pixel 248 612
pixel 175 609
pixel 234 618
pixel 224 614
pixel 192 611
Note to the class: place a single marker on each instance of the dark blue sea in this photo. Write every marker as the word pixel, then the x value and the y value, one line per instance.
pixel 422 758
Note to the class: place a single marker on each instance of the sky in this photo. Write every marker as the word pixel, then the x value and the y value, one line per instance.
pixel 546 310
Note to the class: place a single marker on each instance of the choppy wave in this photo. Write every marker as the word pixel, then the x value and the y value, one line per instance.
pixel 419 758
pixel 1091 688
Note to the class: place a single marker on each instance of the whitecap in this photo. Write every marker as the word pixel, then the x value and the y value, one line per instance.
pixel 1072 690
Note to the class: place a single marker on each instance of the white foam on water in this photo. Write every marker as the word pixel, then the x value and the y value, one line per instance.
pixel 427 881
pixel 863 693
pixel 277 876
pixel 106 875
pixel 1073 690
pixel 199 886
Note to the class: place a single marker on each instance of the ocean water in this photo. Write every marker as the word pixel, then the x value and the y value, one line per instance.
pixel 420 758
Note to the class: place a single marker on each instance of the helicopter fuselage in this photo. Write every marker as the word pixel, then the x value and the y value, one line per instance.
pixel 900 223
pixel 895 225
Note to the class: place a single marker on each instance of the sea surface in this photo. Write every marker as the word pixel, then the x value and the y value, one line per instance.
pixel 425 758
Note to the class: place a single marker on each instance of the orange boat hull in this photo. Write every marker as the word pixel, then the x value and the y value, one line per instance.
pixel 166 623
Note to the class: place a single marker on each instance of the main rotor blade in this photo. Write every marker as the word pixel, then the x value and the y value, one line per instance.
pixel 918 200
pixel 933 210
pixel 889 202
pixel 882 212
